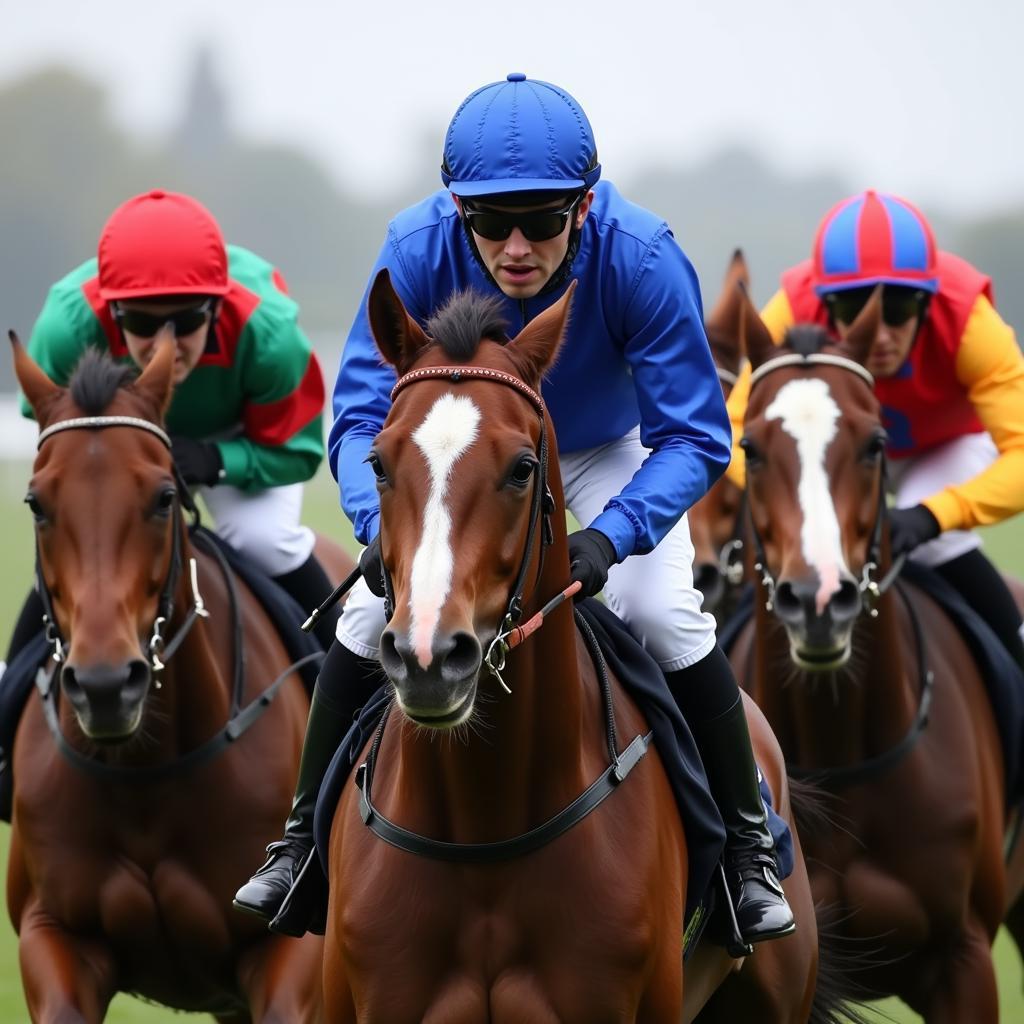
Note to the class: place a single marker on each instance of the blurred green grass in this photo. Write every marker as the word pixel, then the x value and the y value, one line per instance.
pixel 1004 543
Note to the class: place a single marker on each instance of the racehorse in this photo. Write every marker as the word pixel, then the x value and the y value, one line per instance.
pixel 495 895
pixel 716 520
pixel 142 795
pixel 869 686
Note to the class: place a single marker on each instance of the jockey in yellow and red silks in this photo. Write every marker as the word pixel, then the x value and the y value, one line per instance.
pixel 948 373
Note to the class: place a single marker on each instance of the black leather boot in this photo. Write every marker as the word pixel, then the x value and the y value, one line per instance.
pixel 309 585
pixel 750 867
pixel 352 681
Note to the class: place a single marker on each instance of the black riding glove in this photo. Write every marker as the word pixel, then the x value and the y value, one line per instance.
pixel 591 555
pixel 199 462
pixel 909 527
pixel 373 567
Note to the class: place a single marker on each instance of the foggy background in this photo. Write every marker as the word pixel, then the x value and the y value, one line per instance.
pixel 304 126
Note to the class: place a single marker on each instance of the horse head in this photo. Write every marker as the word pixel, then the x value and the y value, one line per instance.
pixel 105 504
pixel 717 545
pixel 463 465
pixel 814 445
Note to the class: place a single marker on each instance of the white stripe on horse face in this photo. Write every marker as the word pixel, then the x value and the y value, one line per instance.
pixel 809 415
pixel 447 432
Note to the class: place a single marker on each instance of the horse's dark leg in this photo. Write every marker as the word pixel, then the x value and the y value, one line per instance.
pixel 281 980
pixel 66 980
pixel 966 992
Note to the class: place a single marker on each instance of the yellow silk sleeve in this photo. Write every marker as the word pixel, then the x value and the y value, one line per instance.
pixel 990 366
pixel 778 318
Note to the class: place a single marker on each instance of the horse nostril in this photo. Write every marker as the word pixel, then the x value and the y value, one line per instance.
pixel 709 581
pixel 462 659
pixel 69 683
pixel 788 605
pixel 138 681
pixel 845 603
pixel 391 660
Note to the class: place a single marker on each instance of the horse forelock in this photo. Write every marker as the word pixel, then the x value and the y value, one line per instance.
pixel 807 339
pixel 96 380
pixel 466 319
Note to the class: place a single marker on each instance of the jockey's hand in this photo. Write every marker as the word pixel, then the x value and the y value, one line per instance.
pixel 199 462
pixel 373 567
pixel 909 527
pixel 591 555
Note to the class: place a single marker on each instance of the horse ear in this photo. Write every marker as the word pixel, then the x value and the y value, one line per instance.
pixel 725 317
pixel 398 336
pixel 40 392
pixel 755 338
pixel 863 331
pixel 156 382
pixel 534 348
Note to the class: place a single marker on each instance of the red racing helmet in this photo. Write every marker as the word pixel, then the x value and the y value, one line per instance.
pixel 161 243
pixel 874 238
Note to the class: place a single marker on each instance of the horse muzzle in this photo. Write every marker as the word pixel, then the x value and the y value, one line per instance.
pixel 819 638
pixel 107 699
pixel 441 693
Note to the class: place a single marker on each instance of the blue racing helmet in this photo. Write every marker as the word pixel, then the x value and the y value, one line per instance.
pixel 519 135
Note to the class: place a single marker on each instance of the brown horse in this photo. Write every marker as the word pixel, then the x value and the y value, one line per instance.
pixel 466 913
pixel 135 813
pixel 869 686
pixel 718 563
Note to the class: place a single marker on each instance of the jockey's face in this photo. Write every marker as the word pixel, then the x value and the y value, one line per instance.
pixel 189 346
pixel 520 267
pixel 902 309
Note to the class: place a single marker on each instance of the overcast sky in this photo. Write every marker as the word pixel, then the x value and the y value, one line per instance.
pixel 921 97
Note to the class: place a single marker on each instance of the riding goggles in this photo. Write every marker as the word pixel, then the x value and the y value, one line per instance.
pixel 181 321
pixel 899 303
pixel 536 225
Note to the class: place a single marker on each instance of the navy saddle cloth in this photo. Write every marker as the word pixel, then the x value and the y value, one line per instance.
pixel 644 680
pixel 16 682
pixel 1003 677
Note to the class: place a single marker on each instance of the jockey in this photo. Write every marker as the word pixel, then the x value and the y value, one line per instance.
pixel 246 417
pixel 521 215
pixel 948 374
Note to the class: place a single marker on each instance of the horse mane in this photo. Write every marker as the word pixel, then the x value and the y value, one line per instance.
pixel 464 320
pixel 806 339
pixel 96 379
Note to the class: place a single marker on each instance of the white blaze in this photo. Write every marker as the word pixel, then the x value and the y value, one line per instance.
pixel 809 414
pixel 448 430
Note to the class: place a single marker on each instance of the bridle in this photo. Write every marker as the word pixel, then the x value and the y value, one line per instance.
pixel 241 717
pixel 157 648
pixel 542 504
pixel 869 588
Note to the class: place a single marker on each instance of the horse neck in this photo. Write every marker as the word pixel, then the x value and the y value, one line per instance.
pixel 824 720
pixel 525 757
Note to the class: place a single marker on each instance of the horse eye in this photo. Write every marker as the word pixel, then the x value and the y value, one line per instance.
pixel 750 451
pixel 377 466
pixel 523 472
pixel 875 447
pixel 35 508
pixel 165 501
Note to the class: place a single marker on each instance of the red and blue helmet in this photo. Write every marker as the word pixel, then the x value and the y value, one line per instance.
pixel 519 135
pixel 874 238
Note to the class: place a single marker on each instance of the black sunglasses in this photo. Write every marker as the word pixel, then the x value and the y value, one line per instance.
pixel 181 321
pixel 536 225
pixel 899 304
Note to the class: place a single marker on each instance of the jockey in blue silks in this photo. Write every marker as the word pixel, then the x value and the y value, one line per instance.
pixel 641 424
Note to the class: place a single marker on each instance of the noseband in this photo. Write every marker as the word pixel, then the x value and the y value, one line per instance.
pixel 869 588
pixel 157 648
pixel 542 504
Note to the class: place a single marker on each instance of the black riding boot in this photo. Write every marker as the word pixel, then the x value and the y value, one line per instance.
pixel 345 683
pixel 709 698
pixel 309 585
pixel 985 590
